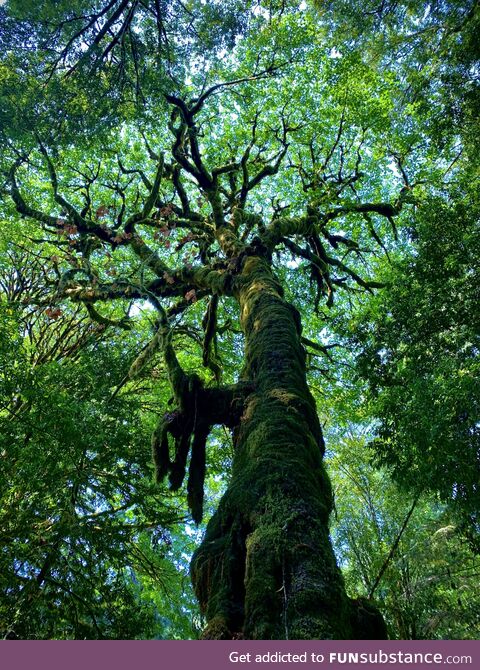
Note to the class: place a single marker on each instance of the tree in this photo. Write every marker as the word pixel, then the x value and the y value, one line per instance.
pixel 207 203
pixel 84 531
pixel 406 552
pixel 423 372
pixel 417 341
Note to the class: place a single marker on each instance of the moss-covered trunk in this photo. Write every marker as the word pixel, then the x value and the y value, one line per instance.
pixel 266 569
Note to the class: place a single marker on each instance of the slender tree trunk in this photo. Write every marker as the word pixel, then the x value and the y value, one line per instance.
pixel 266 569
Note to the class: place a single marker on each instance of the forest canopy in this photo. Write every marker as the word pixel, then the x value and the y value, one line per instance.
pixel 239 251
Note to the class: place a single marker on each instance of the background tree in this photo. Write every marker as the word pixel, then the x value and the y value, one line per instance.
pixel 85 534
pixel 407 553
pixel 423 371
pixel 418 339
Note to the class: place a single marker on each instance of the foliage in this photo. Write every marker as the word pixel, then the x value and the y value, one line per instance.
pixel 84 531
pixel 419 353
pixel 185 178
pixel 406 553
pixel 431 47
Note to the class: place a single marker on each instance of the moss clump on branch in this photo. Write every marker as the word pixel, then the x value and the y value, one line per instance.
pixel 189 430
pixel 187 427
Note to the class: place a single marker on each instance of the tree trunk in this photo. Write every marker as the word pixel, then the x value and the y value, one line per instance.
pixel 266 568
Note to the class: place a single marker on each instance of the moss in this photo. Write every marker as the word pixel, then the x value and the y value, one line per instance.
pixel 367 622
pixel 266 569
pixel 217 629
pixel 218 574
pixel 216 281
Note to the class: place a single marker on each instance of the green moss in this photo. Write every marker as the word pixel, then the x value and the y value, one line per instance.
pixel 266 569
pixel 218 629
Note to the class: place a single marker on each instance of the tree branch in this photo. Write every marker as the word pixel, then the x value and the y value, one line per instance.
pixel 393 548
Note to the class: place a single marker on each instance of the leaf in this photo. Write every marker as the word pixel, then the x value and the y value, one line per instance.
pixel 102 211
pixel 191 295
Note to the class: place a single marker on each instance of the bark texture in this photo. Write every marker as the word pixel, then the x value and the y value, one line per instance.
pixel 266 568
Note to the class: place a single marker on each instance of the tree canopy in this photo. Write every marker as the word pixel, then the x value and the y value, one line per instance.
pixel 235 227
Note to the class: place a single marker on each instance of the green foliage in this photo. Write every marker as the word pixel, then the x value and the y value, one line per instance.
pixel 419 343
pixel 431 47
pixel 149 149
pixel 409 555
pixel 85 533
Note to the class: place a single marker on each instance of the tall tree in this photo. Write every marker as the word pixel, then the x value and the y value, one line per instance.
pixel 208 202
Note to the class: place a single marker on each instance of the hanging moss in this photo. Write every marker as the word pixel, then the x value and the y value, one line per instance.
pixel 209 324
pixel 147 354
pixel 196 473
pixel 160 451
pixel 178 467
pixel 188 426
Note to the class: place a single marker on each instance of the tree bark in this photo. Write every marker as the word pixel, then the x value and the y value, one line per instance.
pixel 266 568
